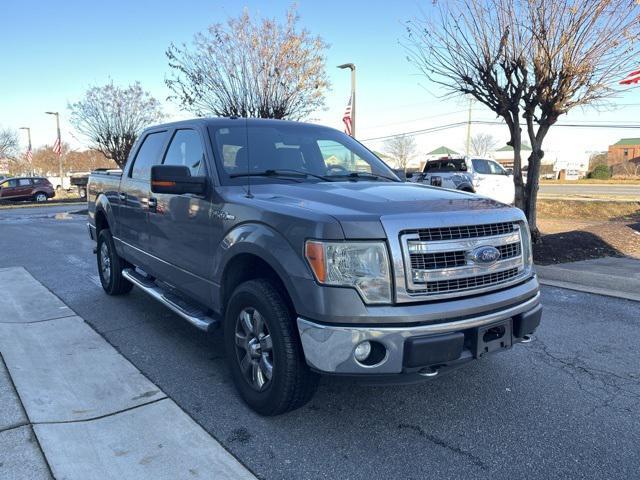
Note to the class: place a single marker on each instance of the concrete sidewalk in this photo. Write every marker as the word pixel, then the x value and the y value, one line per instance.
pixel 612 276
pixel 72 407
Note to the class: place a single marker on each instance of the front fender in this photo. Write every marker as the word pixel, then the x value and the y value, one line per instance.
pixel 266 243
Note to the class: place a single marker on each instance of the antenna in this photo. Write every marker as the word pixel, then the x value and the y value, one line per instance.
pixel 246 131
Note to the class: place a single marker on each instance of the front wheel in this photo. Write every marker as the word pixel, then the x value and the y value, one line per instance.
pixel 263 350
pixel 40 197
pixel 110 266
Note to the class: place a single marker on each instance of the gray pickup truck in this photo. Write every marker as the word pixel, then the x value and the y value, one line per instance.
pixel 312 255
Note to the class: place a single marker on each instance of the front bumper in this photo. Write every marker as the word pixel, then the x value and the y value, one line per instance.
pixel 330 348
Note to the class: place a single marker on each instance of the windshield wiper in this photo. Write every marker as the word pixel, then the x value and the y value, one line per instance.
pixel 368 175
pixel 281 172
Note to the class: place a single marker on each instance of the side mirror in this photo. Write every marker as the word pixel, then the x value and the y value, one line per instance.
pixel 409 175
pixel 176 179
pixel 509 171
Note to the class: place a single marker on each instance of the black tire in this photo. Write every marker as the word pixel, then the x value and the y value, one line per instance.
pixel 40 197
pixel 292 383
pixel 110 266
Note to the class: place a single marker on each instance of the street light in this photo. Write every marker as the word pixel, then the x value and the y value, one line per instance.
pixel 29 155
pixel 352 67
pixel 59 146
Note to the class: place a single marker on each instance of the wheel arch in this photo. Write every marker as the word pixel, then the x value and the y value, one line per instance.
pixel 255 251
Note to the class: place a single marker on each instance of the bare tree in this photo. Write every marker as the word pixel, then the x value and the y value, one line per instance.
pixel 250 69
pixel 482 144
pixel 402 149
pixel 112 117
pixel 8 143
pixel 529 61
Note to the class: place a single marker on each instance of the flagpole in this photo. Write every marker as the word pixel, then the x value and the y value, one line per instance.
pixel 28 129
pixel 352 67
pixel 57 114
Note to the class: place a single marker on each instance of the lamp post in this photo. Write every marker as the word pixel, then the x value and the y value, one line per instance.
pixel 29 154
pixel 352 67
pixel 59 146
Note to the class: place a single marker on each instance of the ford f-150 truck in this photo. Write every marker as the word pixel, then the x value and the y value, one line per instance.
pixel 311 255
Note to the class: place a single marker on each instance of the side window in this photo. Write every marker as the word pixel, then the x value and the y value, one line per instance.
pixel 338 158
pixel 186 149
pixel 147 156
pixel 496 168
pixel 12 183
pixel 481 166
pixel 24 182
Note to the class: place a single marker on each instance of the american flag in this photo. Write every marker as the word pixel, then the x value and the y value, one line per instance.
pixel 57 148
pixel 633 77
pixel 346 118
pixel 29 154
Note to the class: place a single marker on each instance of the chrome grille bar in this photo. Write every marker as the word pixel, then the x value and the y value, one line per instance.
pixel 440 261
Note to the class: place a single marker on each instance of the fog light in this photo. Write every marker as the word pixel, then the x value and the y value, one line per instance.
pixel 362 351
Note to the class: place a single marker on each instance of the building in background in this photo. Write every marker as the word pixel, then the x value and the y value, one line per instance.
pixel 624 150
pixel 504 155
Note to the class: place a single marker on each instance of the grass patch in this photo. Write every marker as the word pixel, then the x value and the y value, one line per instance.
pixel 587 181
pixel 596 210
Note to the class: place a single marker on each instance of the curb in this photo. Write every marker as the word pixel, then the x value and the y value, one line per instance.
pixel 92 425
pixel 588 289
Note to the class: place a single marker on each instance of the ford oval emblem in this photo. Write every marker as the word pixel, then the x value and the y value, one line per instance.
pixel 485 255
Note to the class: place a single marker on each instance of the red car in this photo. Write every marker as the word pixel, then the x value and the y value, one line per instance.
pixel 38 189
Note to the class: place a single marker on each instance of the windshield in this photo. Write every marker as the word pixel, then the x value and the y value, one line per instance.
pixel 446 165
pixel 316 153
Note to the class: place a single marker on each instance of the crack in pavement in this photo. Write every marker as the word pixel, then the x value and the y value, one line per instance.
pixel 609 384
pixel 442 443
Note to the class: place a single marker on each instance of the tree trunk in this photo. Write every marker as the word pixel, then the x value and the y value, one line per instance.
pixel 533 176
pixel 531 191
pixel 516 143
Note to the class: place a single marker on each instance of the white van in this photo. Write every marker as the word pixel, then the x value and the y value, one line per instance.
pixel 491 180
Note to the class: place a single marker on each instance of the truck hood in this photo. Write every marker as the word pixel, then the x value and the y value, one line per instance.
pixel 359 206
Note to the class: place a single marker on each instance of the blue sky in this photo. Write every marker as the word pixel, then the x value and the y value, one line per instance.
pixel 53 51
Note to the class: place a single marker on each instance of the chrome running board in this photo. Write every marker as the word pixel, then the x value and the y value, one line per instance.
pixel 190 312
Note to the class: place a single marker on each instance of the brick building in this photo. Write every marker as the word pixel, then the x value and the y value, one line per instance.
pixel 624 150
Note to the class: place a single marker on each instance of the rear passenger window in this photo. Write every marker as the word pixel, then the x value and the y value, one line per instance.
pixel 186 149
pixel 147 156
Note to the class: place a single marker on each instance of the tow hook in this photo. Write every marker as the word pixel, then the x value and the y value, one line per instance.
pixel 428 372
pixel 527 338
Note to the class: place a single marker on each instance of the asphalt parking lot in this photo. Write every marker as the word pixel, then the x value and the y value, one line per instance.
pixel 565 405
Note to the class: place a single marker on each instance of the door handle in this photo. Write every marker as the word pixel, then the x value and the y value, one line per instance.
pixel 122 196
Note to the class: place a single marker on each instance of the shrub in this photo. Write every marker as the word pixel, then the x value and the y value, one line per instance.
pixel 600 172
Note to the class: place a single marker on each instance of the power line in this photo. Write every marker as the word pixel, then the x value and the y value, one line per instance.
pixel 493 122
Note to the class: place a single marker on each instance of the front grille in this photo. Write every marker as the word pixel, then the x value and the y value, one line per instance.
pixel 441 262
pixel 445 286
pixel 509 251
pixel 430 261
pixel 465 231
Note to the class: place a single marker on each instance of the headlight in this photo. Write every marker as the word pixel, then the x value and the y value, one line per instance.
pixel 360 265
pixel 525 235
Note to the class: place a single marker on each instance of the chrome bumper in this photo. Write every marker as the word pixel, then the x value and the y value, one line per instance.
pixel 330 348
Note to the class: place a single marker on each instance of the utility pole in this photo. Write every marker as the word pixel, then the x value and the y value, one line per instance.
pixel 469 129
pixel 352 67
pixel 59 148
pixel 29 154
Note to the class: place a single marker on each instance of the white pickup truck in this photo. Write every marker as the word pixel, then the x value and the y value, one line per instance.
pixel 488 177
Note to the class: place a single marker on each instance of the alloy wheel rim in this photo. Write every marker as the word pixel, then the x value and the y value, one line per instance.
pixel 254 348
pixel 105 263
pixel 41 197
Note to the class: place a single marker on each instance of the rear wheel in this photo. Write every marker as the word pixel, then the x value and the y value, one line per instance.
pixel 263 350
pixel 110 266
pixel 40 197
